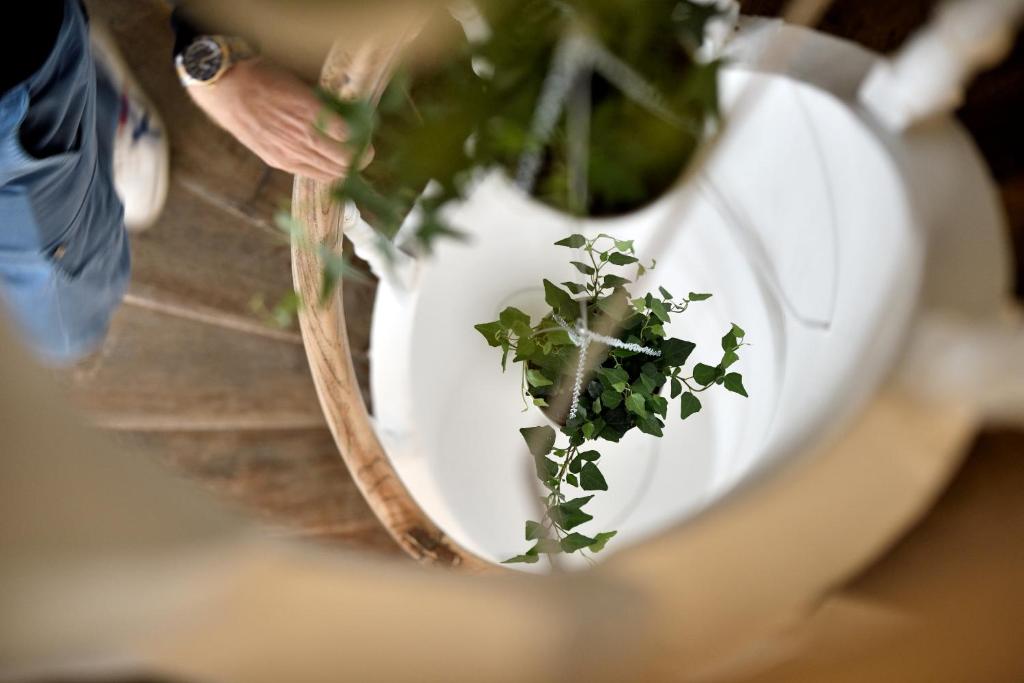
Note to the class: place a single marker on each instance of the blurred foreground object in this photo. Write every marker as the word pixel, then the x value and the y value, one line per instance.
pixel 929 75
pixel 111 563
pixel 299 33
pixel 108 559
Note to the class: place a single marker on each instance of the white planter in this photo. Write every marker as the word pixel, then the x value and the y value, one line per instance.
pixel 807 229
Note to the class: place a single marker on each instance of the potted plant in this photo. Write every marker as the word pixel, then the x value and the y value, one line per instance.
pixel 596 387
pixel 593 107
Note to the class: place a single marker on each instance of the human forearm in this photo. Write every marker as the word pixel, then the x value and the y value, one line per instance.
pixel 273 113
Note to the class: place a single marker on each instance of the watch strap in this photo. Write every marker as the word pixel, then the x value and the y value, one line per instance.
pixel 233 50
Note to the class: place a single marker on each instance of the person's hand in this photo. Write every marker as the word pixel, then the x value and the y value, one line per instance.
pixel 274 114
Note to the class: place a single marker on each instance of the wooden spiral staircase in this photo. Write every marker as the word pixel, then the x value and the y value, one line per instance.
pixel 190 371
pixel 193 375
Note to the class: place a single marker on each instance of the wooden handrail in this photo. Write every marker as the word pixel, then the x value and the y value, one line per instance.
pixel 352 73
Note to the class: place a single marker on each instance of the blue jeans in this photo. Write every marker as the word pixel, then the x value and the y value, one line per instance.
pixel 64 260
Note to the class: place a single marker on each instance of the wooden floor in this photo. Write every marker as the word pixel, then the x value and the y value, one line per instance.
pixel 190 373
pixel 192 376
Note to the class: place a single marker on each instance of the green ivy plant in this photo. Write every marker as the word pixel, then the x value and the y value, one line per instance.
pixel 636 105
pixel 477 110
pixel 625 391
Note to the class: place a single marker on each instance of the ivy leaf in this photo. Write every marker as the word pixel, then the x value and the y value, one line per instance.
pixel 576 541
pixel 704 374
pixel 573 287
pixel 616 377
pixel 614 281
pixel 645 385
pixel 359 191
pixel 432 227
pixel 560 300
pixel 527 348
pixel 588 430
pixel 729 342
pixel 583 267
pixel 568 515
pixel 738 331
pixel 601 540
pixel 728 359
pixel 621 259
pixel 283 313
pixel 677 387
pixel 698 297
pixel 512 318
pixel 688 405
pixel 572 241
pixel 576 503
pixel 540 440
pixel 491 332
pixel 357 114
pixel 571 478
pixel 624 245
pixel 665 293
pixel 635 404
pixel 535 379
pixel 675 352
pixel 548 546
pixel 611 399
pixel 328 282
pixel 547 468
pixel 650 425
pixel 658 308
pixel 658 404
pixel 589 455
pixel 734 383
pixel 591 478
pixel 526 558
pixel 535 530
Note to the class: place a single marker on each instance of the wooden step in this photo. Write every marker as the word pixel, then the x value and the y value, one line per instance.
pixel 202 262
pixel 293 479
pixel 163 372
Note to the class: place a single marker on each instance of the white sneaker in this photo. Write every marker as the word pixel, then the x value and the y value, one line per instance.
pixel 141 160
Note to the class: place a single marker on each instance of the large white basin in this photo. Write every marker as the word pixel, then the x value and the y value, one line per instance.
pixel 803 226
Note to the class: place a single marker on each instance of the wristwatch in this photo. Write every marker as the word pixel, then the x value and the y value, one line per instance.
pixel 206 59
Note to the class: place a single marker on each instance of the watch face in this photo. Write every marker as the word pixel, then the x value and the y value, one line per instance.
pixel 203 59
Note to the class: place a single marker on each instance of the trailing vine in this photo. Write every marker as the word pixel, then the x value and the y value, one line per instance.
pixel 631 373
